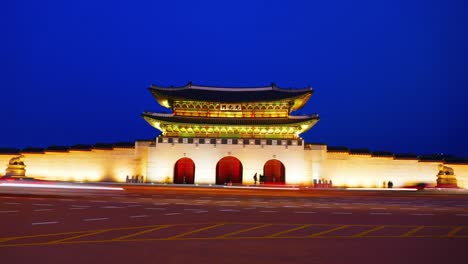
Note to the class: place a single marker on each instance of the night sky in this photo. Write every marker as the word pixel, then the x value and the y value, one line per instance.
pixel 388 75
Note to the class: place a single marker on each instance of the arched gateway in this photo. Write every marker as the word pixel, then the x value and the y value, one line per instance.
pixel 228 169
pixel 274 171
pixel 184 171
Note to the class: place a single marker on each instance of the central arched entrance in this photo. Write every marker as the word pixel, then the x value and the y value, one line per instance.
pixel 274 172
pixel 184 171
pixel 228 169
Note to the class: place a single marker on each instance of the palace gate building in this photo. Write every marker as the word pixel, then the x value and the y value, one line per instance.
pixel 214 135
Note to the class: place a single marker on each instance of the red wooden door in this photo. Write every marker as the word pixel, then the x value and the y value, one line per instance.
pixel 274 171
pixel 228 169
pixel 184 171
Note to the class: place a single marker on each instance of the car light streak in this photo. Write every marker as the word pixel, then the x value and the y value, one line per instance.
pixel 58 186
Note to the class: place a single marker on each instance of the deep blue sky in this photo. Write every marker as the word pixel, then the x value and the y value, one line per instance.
pixel 388 75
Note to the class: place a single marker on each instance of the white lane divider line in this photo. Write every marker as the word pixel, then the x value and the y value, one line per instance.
pixel 172 214
pixel 138 216
pixel 422 214
pixel 200 211
pixel 10 211
pixel 42 210
pixel 10 203
pixel 96 219
pixel 229 210
pixel 45 223
pixel 291 206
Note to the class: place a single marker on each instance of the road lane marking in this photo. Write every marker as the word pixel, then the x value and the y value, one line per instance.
pixel 196 231
pixel 305 212
pixel 45 223
pixel 42 210
pixel 172 214
pixel 78 236
pixel 10 203
pixel 243 230
pixel 141 232
pixel 289 230
pixel 412 231
pixel 369 231
pixel 328 231
pixel 422 214
pixel 228 210
pixel 138 216
pixel 96 219
pixel 10 211
pixel 454 231
pixel 200 211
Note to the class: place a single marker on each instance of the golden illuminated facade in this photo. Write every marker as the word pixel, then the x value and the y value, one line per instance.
pixel 215 112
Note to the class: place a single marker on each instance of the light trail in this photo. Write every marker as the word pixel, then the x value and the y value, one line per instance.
pixel 58 186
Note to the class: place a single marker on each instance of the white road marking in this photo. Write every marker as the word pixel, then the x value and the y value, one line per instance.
pixel 200 211
pixel 380 213
pixel 305 212
pixel 10 203
pixel 42 210
pixel 11 211
pixel 96 219
pixel 138 216
pixel 228 210
pixel 342 213
pixel 45 223
pixel 172 214
pixel 291 206
pixel 422 214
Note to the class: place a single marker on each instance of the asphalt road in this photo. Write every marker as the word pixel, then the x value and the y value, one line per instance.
pixel 217 225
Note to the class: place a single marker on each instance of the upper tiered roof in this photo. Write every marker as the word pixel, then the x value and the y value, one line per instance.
pixel 190 92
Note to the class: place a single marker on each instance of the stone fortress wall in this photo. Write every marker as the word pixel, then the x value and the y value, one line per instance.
pixel 303 164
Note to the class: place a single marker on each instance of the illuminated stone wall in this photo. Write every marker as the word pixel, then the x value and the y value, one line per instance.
pixel 155 161
pixel 350 170
pixel 164 156
pixel 92 165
